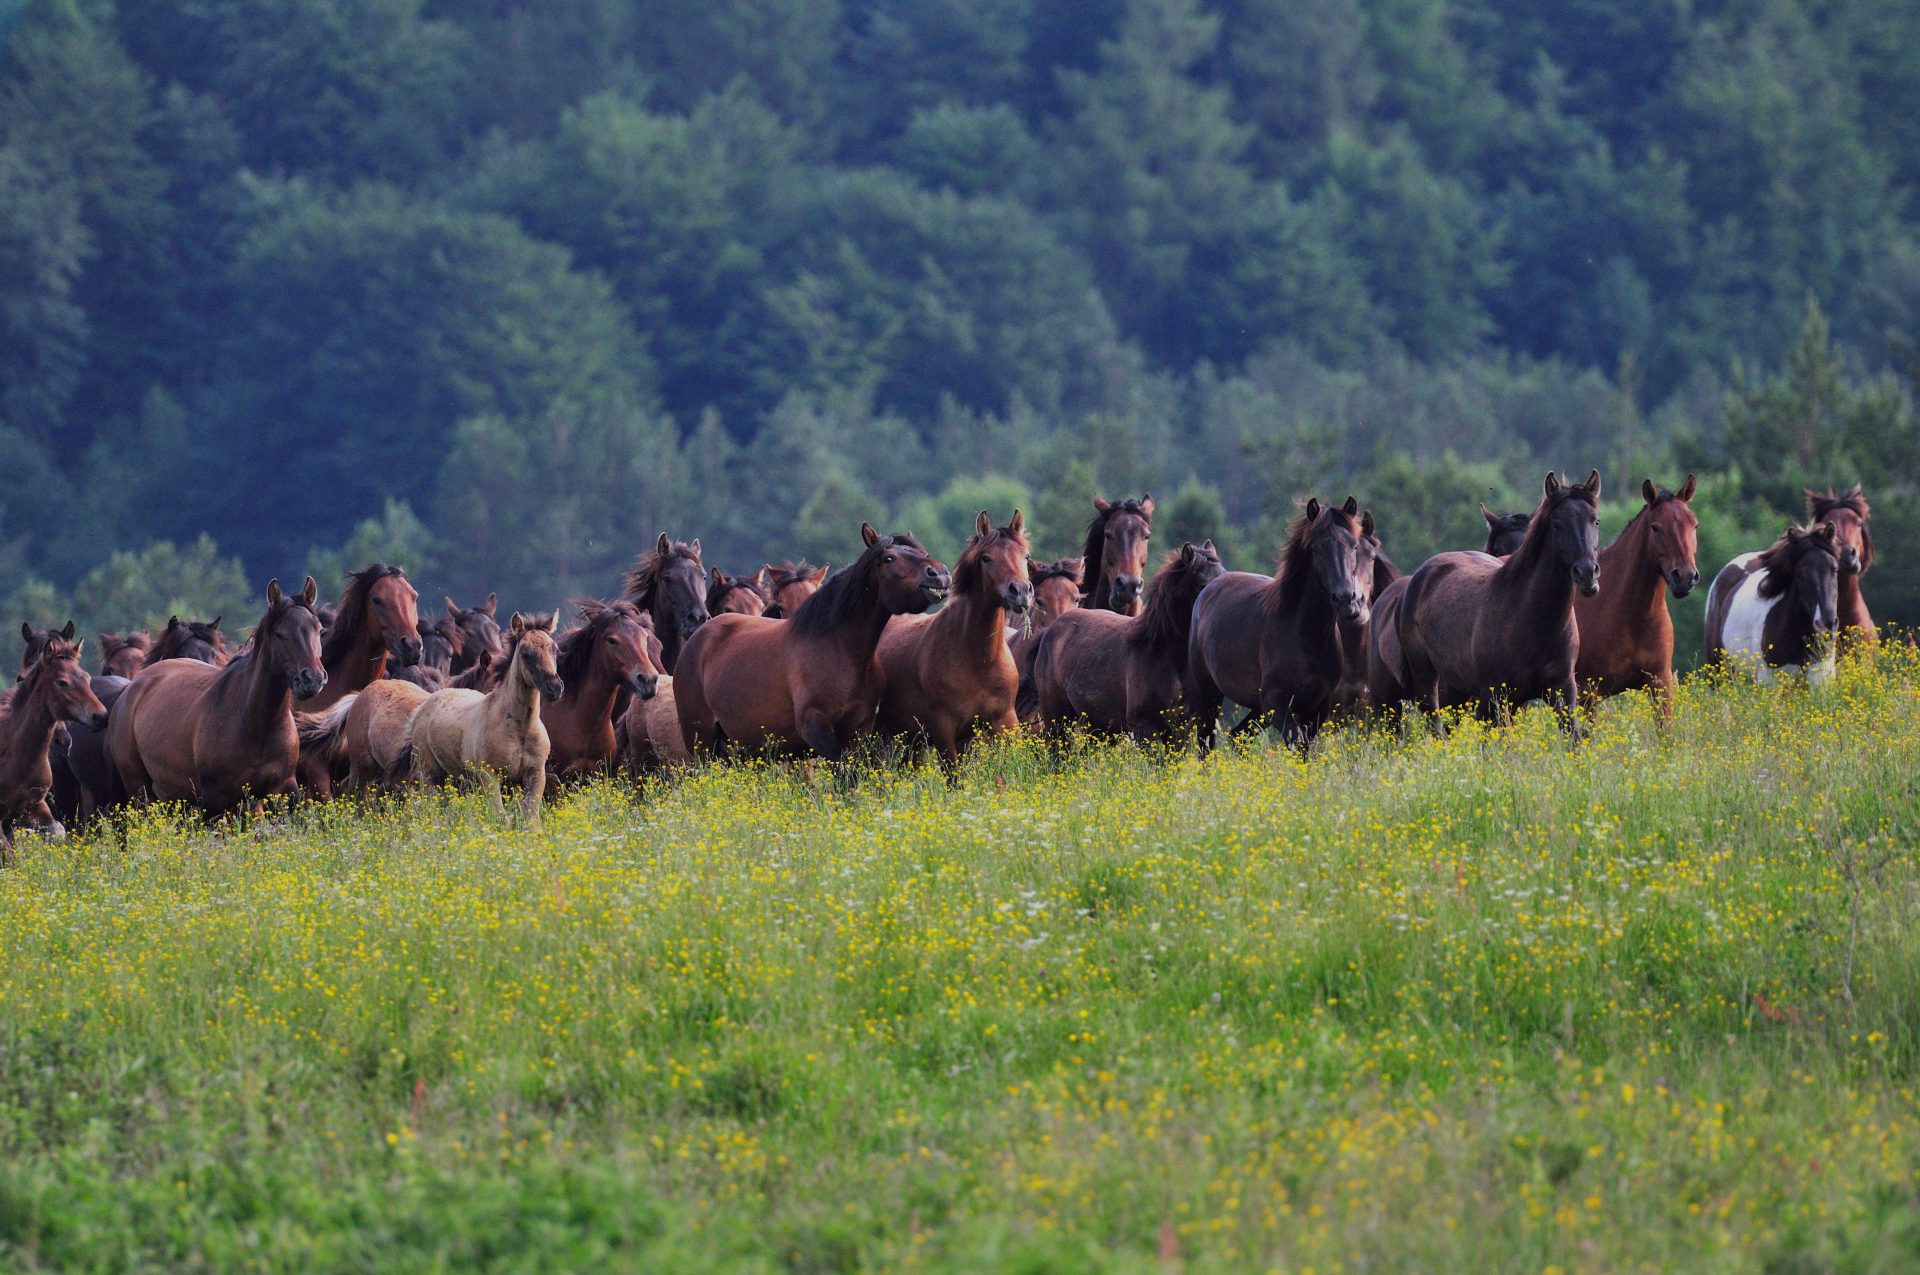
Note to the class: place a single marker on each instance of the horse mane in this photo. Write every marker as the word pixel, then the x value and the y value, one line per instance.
pixel 573 650
pixel 110 643
pixel 1097 535
pixel 717 593
pixel 352 610
pixel 1821 504
pixel 837 602
pixel 529 622
pixel 1038 573
pixel 971 565
pixel 1777 561
pixel 1535 543
pixel 644 576
pixel 1168 616
pixel 175 637
pixel 1290 576
pixel 275 613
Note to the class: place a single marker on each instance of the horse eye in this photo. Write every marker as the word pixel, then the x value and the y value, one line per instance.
pixel 887 558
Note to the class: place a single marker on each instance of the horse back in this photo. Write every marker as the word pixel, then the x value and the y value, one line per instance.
pixel 1720 596
pixel 1081 668
pixel 1225 642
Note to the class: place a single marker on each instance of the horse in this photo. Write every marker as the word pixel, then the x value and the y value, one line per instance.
pixel 54 690
pixel 790 584
pixel 668 583
pixel 1776 609
pixel 378 621
pixel 476 633
pixel 1478 629
pixel 220 737
pixel 494 737
pixel 1056 591
pixel 33 643
pixel 1122 673
pixel 1850 514
pixel 1626 635
pixel 950 676
pixel 1351 696
pixel 608 657
pixel 1280 644
pixel 124 654
pixel 199 640
pixel 1117 547
pixel 812 681
pixel 1504 531
pixel 736 595
pixel 647 732
pixel 430 672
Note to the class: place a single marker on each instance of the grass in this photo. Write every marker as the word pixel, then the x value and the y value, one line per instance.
pixel 1489 1003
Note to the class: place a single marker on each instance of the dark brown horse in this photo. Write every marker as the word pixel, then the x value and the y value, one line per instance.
pixel 1352 697
pixel 669 584
pixel 476 633
pixel 1626 635
pixel 1279 644
pixel 812 681
pixel 438 641
pixel 1505 531
pixel 124 654
pixel 1056 591
pixel 222 737
pixel 790 584
pixel 951 676
pixel 737 595
pixel 604 660
pixel 1777 609
pixel 1850 515
pixel 54 690
pixel 1121 673
pixel 1380 666
pixel 1478 630
pixel 199 640
pixel 1116 554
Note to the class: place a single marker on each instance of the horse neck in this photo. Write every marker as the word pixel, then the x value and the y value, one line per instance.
pixel 1642 587
pixel 1852 601
pixel 975 623
pixel 589 699
pixel 516 701
pixel 665 629
pixel 363 662
pixel 1538 579
pixel 860 636
pixel 26 729
pixel 262 703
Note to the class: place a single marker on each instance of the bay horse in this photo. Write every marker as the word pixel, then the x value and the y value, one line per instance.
pixel 378 621
pixel 1504 531
pixel 1778 608
pixel 199 640
pixel 476 633
pixel 1279 644
pixel 1127 674
pixel 647 734
pixel 124 654
pixel 54 690
pixel 1117 551
pixel 1475 629
pixel 603 661
pixel 668 583
pixel 951 676
pixel 790 584
pixel 1056 591
pixel 494 738
pixel 1626 634
pixel 736 595
pixel 33 643
pixel 221 737
pixel 438 641
pixel 1381 667
pixel 1850 515
pixel 812 681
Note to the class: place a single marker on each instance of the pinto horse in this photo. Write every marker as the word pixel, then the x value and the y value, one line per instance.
pixel 1122 673
pixel 736 595
pixel 222 737
pixel 1056 591
pixel 951 676
pixel 607 658
pixel 1476 629
pixel 1850 514
pixel 668 584
pixel 812 681
pixel 1117 549
pixel 1626 635
pixel 1777 609
pixel 124 654
pixel 54 690
pixel 1280 644
pixel 791 583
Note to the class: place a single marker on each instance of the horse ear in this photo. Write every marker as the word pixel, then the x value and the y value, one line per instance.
pixel 663 545
pixel 1208 546
pixel 821 574
pixel 1186 552
pixel 1018 525
pixel 69 631
pixel 716 576
pixel 309 592
pixel 1552 483
pixel 983 525
pixel 695 546
pixel 493 603
pixel 517 625
pixel 1686 490
pixel 1366 524
pixel 1593 482
pixel 1146 504
pixel 216 621
pixel 1854 492
pixel 1647 491
pixel 1352 508
pixel 1100 506
pixel 273 592
pixel 26 631
pixel 1825 531
pixel 1488 514
pixel 453 608
pixel 868 536
pixel 1077 567
pixel 173 621
pixel 1313 508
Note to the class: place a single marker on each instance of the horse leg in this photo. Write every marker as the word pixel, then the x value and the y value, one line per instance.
pixel 530 795
pixel 1566 706
pixel 818 734
pixel 489 783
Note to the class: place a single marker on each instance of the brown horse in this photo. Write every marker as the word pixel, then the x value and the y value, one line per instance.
pixel 1850 514
pixel 123 655
pixel 364 736
pixel 476 633
pixel 199 640
pixel 438 641
pixel 790 584
pixel 950 676
pixel 1122 673
pixel 736 595
pixel 1352 697
pixel 1476 629
pixel 1279 645
pixel 1380 665
pixel 607 658
pixel 33 643
pixel 647 734
pixel 222 737
pixel 378 620
pixel 1117 549
pixel 1626 635
pixel 1056 591
pixel 812 681
pixel 1505 531
pixel 669 584
pixel 54 690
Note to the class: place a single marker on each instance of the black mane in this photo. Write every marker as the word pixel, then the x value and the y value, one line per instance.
pixel 838 602
pixel 352 611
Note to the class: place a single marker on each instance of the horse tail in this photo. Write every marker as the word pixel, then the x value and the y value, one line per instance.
pixel 397 773
pixel 323 734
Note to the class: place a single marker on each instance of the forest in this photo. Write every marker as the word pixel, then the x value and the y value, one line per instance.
pixel 500 290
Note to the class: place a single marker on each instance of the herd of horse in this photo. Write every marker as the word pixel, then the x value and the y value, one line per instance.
pixel 362 696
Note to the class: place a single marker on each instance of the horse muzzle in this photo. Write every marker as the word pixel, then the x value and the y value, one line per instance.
pixel 1587 580
pixel 1125 590
pixel 645 685
pixel 95 722
pixel 552 688
pixel 1682 581
pixel 691 621
pixel 1017 598
pixel 935 585
pixel 308 682
pixel 408 651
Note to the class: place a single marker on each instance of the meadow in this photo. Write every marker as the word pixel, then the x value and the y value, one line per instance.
pixel 1490 1002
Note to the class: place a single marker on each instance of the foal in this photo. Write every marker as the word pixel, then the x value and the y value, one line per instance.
pixel 54 690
